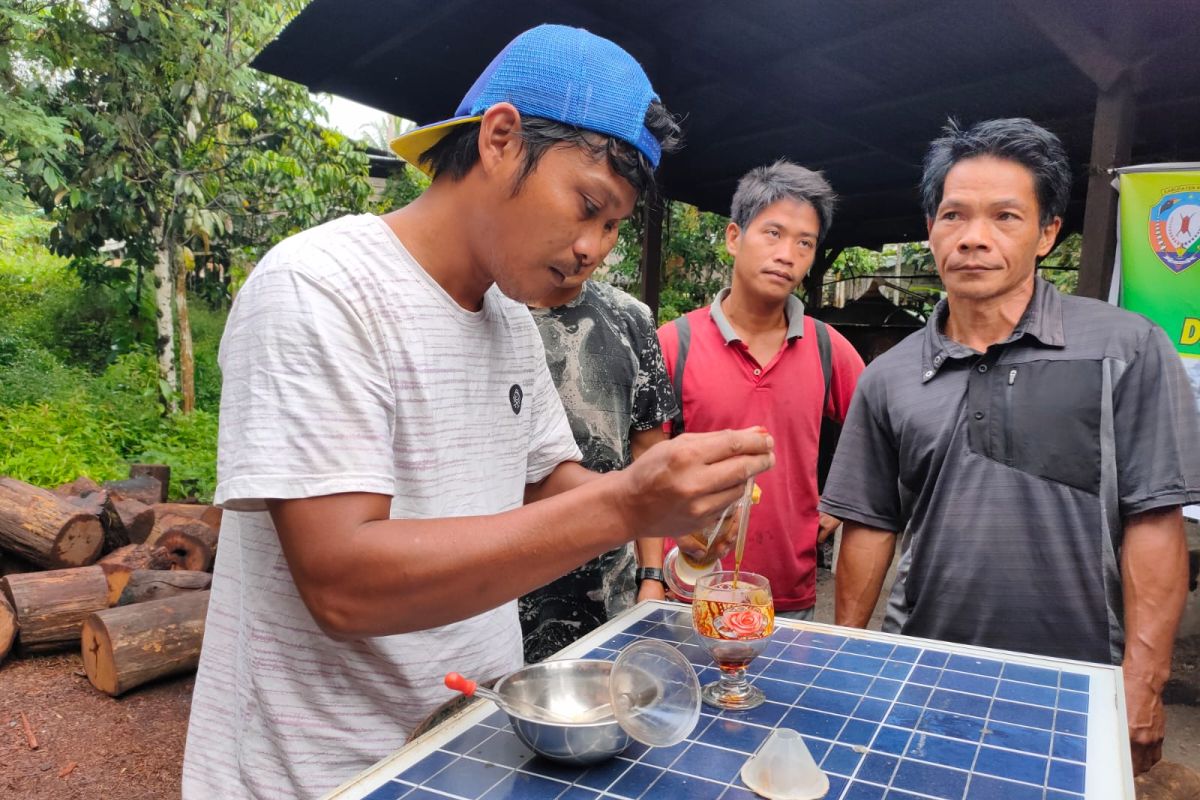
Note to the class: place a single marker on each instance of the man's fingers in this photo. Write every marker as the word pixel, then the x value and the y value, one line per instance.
pixel 718 446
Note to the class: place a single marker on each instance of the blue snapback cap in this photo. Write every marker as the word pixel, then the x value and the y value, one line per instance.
pixel 558 73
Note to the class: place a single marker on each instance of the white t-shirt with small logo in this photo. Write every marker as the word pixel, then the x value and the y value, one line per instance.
pixel 346 368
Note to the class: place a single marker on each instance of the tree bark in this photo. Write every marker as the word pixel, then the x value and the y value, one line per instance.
pixel 165 322
pixel 8 627
pixel 160 473
pixel 143 488
pixel 154 584
pixel 79 487
pixel 136 517
pixel 192 546
pixel 127 646
pixel 209 515
pixel 139 556
pixel 187 361
pixel 122 563
pixel 51 606
pixel 100 504
pixel 167 522
pixel 45 528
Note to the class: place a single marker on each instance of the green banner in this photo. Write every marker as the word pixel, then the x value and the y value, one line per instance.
pixel 1160 253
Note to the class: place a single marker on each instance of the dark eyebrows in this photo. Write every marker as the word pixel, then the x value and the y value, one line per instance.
pixel 770 223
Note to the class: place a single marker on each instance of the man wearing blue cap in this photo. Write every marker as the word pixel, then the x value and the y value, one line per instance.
pixel 388 422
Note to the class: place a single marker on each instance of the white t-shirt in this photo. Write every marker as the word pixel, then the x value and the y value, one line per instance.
pixel 347 368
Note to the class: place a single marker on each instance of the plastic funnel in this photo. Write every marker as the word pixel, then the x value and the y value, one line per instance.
pixel 783 769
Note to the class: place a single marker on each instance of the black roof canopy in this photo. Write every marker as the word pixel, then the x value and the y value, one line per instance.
pixel 855 88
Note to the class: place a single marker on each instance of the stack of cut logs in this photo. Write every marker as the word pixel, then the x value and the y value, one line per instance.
pixel 112 569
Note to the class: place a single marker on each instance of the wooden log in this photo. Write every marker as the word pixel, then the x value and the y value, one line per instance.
pixel 51 606
pixel 100 504
pixel 154 584
pixel 46 529
pixel 166 521
pixel 136 517
pixel 159 472
pixel 132 558
pixel 79 487
pixel 8 627
pixel 192 546
pixel 138 556
pixel 127 646
pixel 144 489
pixel 209 515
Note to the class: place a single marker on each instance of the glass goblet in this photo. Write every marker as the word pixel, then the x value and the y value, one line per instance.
pixel 734 620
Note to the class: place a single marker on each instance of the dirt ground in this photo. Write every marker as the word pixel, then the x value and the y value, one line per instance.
pixel 89 744
pixel 94 746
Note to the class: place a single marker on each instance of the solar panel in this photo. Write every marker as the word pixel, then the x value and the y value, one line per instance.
pixel 886 717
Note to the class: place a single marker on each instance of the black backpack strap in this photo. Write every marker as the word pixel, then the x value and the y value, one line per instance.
pixel 830 431
pixel 684 330
pixel 826 353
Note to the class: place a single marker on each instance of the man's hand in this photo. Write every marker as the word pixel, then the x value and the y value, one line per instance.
pixel 1147 722
pixel 683 485
pixel 826 525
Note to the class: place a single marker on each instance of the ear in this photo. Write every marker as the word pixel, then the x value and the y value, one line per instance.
pixel 733 235
pixel 928 226
pixel 499 138
pixel 1048 236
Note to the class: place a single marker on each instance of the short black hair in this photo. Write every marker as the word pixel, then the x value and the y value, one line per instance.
pixel 458 151
pixel 762 186
pixel 1015 139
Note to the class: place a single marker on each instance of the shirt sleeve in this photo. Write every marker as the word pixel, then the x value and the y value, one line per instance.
pixel 653 394
pixel 551 441
pixel 847 365
pixel 863 483
pixel 306 406
pixel 1157 430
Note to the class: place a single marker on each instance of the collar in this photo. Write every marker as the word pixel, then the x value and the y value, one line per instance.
pixel 1042 322
pixel 793 312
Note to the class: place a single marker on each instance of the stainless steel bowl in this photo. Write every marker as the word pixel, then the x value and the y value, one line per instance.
pixel 567 689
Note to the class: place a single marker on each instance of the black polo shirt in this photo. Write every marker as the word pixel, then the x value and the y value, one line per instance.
pixel 1009 473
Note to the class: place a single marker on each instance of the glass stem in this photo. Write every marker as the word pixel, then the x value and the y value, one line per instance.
pixel 734 684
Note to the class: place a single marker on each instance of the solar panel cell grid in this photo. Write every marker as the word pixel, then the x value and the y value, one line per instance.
pixel 885 721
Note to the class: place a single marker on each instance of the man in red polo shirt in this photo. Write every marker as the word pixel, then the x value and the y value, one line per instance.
pixel 753 359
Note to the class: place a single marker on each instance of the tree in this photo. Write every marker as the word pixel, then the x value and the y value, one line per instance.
pixel 22 122
pixel 176 146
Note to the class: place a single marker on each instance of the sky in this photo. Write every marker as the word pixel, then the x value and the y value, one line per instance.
pixel 349 117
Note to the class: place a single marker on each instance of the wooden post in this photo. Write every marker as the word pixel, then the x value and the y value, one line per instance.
pixel 1112 142
pixel 652 254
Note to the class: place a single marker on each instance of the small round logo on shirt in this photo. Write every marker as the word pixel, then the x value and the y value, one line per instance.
pixel 515 395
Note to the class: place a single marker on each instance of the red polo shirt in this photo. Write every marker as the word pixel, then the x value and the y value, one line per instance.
pixel 724 387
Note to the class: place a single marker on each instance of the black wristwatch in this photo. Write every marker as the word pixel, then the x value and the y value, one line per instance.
pixel 649 574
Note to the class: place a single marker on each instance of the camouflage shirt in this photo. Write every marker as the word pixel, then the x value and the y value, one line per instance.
pixel 603 354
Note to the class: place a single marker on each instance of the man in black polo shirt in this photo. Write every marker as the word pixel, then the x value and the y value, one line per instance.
pixel 1033 449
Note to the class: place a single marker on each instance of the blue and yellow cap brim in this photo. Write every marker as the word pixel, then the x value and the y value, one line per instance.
pixel 411 145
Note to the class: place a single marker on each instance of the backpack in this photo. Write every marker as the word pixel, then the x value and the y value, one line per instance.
pixel 830 430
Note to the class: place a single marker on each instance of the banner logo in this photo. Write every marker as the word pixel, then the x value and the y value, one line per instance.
pixel 1175 230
